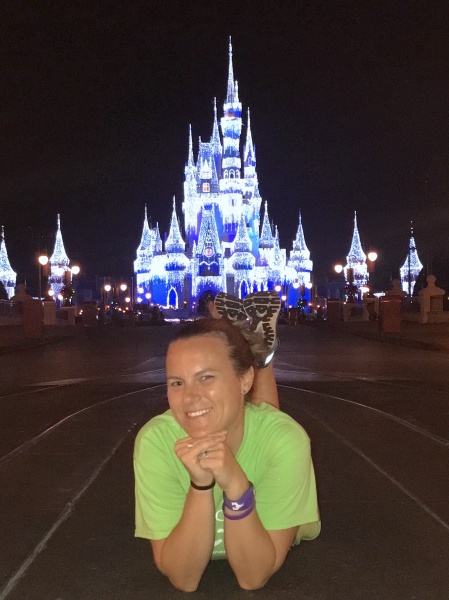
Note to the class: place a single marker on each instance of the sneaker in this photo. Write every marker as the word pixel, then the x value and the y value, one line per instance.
pixel 230 307
pixel 263 310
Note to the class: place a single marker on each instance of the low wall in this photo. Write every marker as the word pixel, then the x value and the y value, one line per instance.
pixel 6 320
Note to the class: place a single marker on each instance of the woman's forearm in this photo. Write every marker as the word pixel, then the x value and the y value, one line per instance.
pixel 188 549
pixel 249 551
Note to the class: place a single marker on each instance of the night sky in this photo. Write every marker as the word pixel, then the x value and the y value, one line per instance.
pixel 349 111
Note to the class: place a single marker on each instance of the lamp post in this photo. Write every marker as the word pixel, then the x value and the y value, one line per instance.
pixel 106 289
pixel 73 272
pixel 43 261
pixel 371 266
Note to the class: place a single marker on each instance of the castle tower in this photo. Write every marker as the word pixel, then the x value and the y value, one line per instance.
pixel 176 264
pixel 300 256
pixel 412 266
pixel 7 275
pixel 356 267
pixel 144 255
pixel 242 261
pixel 59 264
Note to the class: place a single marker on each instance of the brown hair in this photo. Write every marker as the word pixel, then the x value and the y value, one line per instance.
pixel 239 347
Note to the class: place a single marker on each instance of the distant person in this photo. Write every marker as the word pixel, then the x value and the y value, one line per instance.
pixel 224 474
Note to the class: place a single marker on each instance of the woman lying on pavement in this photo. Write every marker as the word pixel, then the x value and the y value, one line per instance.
pixel 223 474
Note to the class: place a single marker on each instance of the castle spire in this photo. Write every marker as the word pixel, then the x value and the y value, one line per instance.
pixel 356 253
pixel 145 250
pixel 300 255
pixel 7 275
pixel 249 155
pixel 266 236
pixel 231 83
pixel 190 160
pixel 174 243
pixel 242 242
pixel 299 245
pixel 215 141
pixel 356 269
pixel 59 257
pixel 412 265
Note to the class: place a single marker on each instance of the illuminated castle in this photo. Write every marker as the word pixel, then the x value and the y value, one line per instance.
pixel 227 246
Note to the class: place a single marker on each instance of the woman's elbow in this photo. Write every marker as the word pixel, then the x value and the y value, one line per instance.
pixel 249 585
pixel 185 586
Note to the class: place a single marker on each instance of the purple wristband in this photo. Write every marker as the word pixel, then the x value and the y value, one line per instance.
pixel 243 502
pixel 242 515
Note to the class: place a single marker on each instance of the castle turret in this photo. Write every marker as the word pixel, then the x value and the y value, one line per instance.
pixel 412 266
pixel 59 263
pixel 356 268
pixel 144 255
pixel 7 275
pixel 300 255
pixel 266 239
pixel 174 243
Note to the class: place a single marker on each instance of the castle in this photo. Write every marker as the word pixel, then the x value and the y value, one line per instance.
pixel 227 246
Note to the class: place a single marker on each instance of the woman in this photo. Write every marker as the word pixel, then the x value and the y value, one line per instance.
pixel 200 466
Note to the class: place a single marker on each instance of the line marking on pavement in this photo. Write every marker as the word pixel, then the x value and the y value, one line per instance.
pixel 37 438
pixel 65 514
pixel 432 436
pixel 378 468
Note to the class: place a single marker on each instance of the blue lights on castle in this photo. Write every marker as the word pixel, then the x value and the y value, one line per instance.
pixel 227 246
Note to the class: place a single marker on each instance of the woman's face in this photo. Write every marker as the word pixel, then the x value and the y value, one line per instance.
pixel 204 392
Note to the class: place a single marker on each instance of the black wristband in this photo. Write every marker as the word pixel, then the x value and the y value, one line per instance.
pixel 202 488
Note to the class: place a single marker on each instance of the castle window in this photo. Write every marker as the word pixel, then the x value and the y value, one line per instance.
pixel 206 187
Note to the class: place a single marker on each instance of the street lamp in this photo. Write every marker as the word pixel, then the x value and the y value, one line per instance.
pixel 371 267
pixel 43 261
pixel 107 288
pixel 338 269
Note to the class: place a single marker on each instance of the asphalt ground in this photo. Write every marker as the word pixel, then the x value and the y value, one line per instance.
pixel 379 444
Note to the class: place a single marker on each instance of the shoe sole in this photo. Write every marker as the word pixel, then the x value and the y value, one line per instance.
pixel 263 309
pixel 229 307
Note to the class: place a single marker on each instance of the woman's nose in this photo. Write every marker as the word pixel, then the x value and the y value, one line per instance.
pixel 190 392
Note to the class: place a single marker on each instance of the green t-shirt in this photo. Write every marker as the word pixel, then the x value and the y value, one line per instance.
pixel 274 454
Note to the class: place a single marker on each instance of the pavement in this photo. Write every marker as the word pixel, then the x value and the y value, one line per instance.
pixel 12 338
pixel 384 505
pixel 425 336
